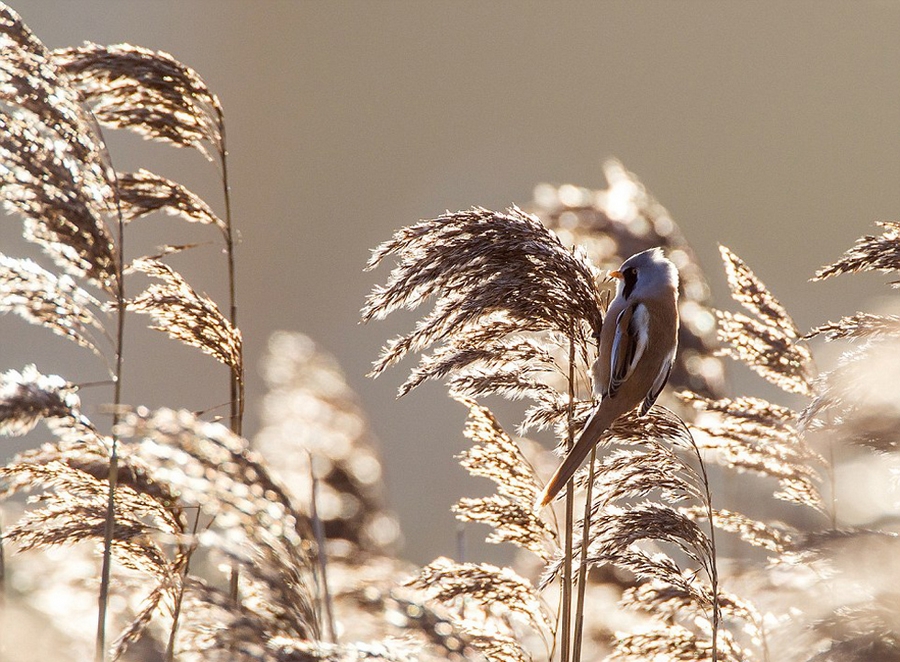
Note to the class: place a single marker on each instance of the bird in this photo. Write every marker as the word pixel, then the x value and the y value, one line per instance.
pixel 636 352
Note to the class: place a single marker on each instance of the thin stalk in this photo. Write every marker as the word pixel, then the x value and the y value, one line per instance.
pixel 832 482
pixel 712 567
pixel 565 652
pixel 582 564
pixel 237 373
pixel 2 564
pixel 176 613
pixel 319 530
pixel 236 380
pixel 110 524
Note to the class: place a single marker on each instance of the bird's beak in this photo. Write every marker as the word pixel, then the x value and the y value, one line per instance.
pixel 616 274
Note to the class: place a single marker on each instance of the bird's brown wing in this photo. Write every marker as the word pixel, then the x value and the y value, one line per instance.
pixel 658 384
pixel 629 343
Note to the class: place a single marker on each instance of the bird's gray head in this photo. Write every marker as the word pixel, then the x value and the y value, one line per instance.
pixel 646 274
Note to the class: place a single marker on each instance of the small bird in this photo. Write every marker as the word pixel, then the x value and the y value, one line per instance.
pixel 635 355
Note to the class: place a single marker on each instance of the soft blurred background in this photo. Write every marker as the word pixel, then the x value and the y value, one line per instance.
pixel 771 127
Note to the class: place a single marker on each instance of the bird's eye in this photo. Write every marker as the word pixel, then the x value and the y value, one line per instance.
pixel 630 275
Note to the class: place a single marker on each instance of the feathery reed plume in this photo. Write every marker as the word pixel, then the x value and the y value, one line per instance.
pixel 490 606
pixel 857 399
pixel 494 455
pixel 870 253
pixel 28 397
pixel 310 412
pixel 72 475
pixel 185 315
pixel 750 434
pixel 769 342
pixel 55 302
pixel 483 267
pixel 155 95
pixel 857 326
pixel 40 179
pixel 142 193
pixel 30 80
pixel 213 468
pixel 639 482
pixel 146 91
pixel 53 160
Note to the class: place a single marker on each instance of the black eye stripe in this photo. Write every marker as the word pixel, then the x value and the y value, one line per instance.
pixel 630 275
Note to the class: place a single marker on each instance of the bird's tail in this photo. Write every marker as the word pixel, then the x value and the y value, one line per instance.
pixel 602 418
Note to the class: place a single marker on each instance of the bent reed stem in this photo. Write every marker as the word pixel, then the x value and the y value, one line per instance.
pixel 582 562
pixel 109 525
pixel 570 511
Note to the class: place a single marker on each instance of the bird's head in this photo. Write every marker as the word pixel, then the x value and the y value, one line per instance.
pixel 646 274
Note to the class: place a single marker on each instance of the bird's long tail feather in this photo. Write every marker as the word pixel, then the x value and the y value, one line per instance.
pixel 602 418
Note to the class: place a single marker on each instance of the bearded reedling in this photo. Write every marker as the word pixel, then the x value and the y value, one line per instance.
pixel 636 352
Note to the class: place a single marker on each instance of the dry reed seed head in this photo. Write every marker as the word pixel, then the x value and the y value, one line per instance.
pixel 492 346
pixel 753 434
pixel 53 166
pixel 869 253
pixel 551 410
pixel 310 412
pixel 673 643
pixel 73 504
pixel 769 342
pixel 625 473
pixel 40 179
pixel 256 524
pixel 847 601
pixel 756 423
pixel 749 291
pixel 511 521
pixel 788 462
pixel 494 455
pixel 146 91
pixel 773 537
pixel 616 529
pixel 639 462
pixel 42 298
pixel 490 604
pixel 623 219
pixel 858 401
pixel 185 315
pixel 478 264
pixel 859 326
pixel 30 80
pixel 27 397
pixel 748 411
pixel 142 193
pixel 668 603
